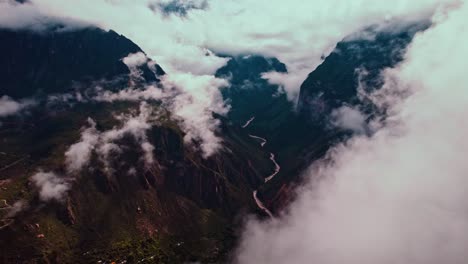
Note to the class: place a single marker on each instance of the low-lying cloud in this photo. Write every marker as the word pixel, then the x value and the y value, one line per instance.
pixel 54 187
pixel 186 37
pixel 191 99
pixel 16 208
pixel 78 155
pixel 9 106
pixel 51 186
pixel 399 195
pixel 185 43
pixel 194 105
pixel 105 143
pixel 349 118
pixel 135 125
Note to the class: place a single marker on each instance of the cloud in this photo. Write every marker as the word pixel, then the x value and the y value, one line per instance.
pixel 16 208
pixel 192 100
pixel 149 92
pixel 399 195
pixel 14 15
pixel 78 155
pixel 51 186
pixel 105 143
pixel 349 118
pixel 134 125
pixel 290 83
pixel 8 106
pixel 148 149
pixel 134 60
pixel 178 7
pixel 184 43
pixel 198 97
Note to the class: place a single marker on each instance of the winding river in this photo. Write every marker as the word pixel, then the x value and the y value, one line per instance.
pixel 259 202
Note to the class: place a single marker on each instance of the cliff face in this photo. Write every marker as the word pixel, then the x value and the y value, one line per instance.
pixel 250 94
pixel 358 58
pixel 356 62
pixel 180 208
pixel 52 61
pixel 181 198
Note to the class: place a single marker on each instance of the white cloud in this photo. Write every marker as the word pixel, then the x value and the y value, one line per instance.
pixel 136 126
pixel 198 97
pixel 16 208
pixel 183 43
pixel 148 149
pixel 19 16
pixel 51 186
pixel 105 151
pixel 192 100
pixel 134 60
pixel 400 195
pixel 78 155
pixel 289 82
pixel 149 92
pixel 105 144
pixel 9 106
pixel 349 118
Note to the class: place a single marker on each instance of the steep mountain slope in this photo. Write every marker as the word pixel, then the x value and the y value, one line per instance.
pixel 53 61
pixel 177 207
pixel 355 63
pixel 250 94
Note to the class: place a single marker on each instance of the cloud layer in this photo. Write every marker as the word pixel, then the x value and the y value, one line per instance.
pixel 183 43
pixel 183 39
pixel 400 195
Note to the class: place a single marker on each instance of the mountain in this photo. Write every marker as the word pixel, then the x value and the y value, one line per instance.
pixel 145 195
pixel 356 61
pixel 176 208
pixel 250 94
pixel 53 61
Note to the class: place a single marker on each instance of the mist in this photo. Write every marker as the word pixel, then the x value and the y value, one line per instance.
pixel 9 106
pixel 399 195
pixel 183 40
